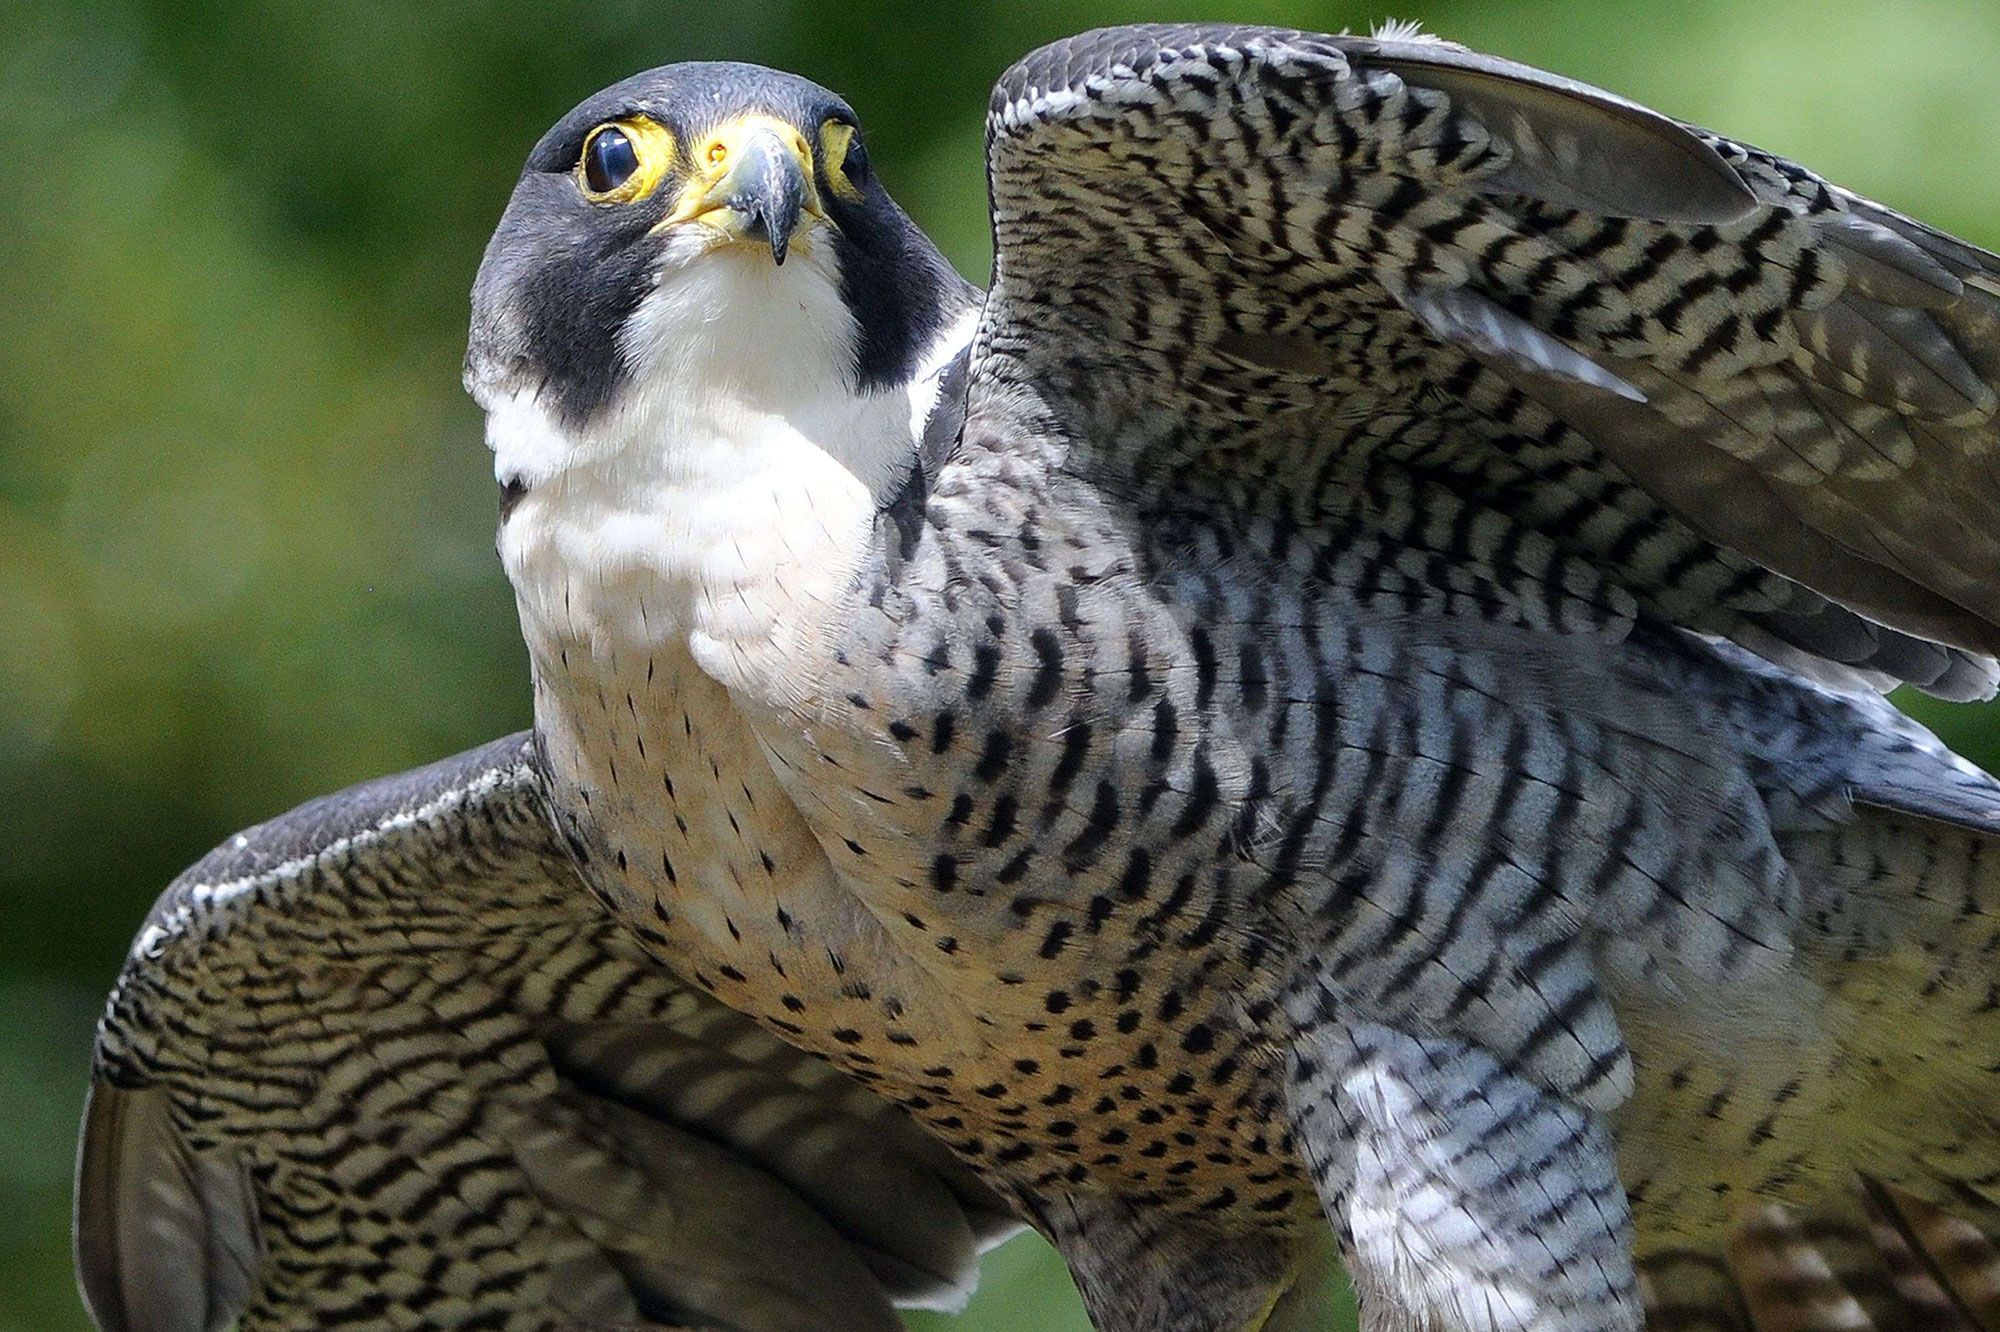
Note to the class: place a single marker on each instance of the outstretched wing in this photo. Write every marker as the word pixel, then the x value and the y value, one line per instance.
pixel 384 1061
pixel 1458 349
pixel 1598 362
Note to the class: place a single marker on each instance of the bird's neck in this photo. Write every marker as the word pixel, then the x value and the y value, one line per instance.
pixel 724 508
pixel 677 562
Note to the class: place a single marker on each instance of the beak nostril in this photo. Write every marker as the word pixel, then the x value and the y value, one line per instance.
pixel 751 182
pixel 766 186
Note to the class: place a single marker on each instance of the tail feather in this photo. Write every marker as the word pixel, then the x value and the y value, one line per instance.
pixel 1792 1281
pixel 1929 1305
pixel 1882 1260
pixel 1944 1261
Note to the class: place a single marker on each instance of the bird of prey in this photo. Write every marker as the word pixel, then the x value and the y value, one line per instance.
pixel 1330 715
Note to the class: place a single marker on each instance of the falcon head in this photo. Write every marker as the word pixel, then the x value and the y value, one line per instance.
pixel 701 233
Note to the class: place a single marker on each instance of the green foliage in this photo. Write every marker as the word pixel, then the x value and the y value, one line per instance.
pixel 245 514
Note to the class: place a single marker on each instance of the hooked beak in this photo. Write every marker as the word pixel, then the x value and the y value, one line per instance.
pixel 763 189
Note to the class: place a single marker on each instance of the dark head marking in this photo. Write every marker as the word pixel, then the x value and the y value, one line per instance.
pixel 565 271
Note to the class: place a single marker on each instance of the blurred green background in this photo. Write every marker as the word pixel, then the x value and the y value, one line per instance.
pixel 245 514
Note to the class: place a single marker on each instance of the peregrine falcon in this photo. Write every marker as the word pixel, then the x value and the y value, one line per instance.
pixel 1331 716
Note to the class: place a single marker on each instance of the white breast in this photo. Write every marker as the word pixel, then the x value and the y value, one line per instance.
pixel 726 501
pixel 688 550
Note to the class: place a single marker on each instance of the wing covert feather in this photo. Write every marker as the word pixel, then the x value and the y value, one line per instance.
pixel 1764 405
pixel 386 1057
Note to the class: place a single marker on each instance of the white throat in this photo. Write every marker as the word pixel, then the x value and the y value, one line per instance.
pixel 726 501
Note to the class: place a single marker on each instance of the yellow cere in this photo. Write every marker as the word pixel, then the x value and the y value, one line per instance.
pixel 724 142
pixel 720 148
pixel 653 146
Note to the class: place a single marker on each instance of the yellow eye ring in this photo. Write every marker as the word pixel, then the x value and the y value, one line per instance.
pixel 838 147
pixel 717 152
pixel 624 160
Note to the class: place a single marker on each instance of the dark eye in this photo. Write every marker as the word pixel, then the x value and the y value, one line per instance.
pixel 609 160
pixel 855 165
